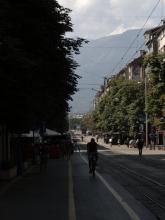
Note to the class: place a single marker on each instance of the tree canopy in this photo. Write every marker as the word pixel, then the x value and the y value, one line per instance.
pixel 121 109
pixel 155 69
pixel 37 68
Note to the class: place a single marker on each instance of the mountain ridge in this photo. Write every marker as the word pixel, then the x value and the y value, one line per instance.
pixel 98 59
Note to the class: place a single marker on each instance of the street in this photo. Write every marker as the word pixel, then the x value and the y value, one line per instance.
pixel 125 187
pixel 142 177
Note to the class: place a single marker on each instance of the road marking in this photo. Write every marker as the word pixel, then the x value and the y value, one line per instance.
pixel 126 207
pixel 72 210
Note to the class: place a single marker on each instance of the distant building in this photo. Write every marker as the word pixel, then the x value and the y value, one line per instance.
pixel 161 39
pixel 134 70
pixel 155 39
pixel 76 115
pixel 151 40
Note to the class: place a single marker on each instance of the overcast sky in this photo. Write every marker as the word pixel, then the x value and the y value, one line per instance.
pixel 98 18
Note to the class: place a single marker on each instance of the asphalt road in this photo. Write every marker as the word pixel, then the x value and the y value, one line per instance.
pixel 102 197
pixel 66 191
pixel 142 177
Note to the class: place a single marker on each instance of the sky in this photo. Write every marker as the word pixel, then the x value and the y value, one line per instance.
pixel 93 19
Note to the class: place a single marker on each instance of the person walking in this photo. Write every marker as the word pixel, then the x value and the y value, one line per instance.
pixel 127 142
pixel 140 144
pixel 97 138
pixel 110 141
pixel 118 142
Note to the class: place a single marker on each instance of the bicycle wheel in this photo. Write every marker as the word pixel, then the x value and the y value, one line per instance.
pixel 93 168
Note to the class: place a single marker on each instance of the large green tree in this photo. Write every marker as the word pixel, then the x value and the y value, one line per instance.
pixel 155 72
pixel 37 69
pixel 122 108
pixel 155 83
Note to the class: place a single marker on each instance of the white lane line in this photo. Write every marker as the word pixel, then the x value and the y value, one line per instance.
pixel 126 207
pixel 72 210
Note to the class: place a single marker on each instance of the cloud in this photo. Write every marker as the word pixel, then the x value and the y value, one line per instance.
pixel 98 18
pixel 76 4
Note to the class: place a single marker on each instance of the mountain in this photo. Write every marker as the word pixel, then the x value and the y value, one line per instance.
pixel 102 58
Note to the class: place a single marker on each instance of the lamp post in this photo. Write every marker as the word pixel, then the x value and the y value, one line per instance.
pixel 94 101
pixel 146 107
pixel 146 110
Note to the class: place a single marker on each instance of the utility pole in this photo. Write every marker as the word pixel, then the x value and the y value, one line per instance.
pixel 146 107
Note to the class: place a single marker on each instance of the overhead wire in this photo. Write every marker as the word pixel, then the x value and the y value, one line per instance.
pixel 162 9
pixel 138 34
pixel 143 44
pixel 131 45
pixel 111 47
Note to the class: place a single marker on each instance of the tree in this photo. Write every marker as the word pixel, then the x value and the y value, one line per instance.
pixel 75 123
pixel 156 86
pixel 37 69
pixel 88 122
pixel 121 108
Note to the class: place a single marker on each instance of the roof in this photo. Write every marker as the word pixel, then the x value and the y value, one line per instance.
pixel 152 30
pixel 51 132
pixel 30 134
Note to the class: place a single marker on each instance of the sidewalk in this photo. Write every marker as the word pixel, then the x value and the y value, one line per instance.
pixel 38 195
pixel 123 149
pixel 6 184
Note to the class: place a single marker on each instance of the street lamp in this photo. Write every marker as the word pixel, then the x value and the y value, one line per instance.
pixel 146 110
pixel 146 106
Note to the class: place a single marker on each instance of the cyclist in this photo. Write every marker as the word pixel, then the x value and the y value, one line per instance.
pixel 91 151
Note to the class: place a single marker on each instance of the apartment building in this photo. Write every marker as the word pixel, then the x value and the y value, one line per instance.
pixel 135 70
pixel 155 42
pixel 151 40
pixel 155 39
pixel 161 40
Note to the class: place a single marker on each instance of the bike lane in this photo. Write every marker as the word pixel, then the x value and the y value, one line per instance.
pixel 101 198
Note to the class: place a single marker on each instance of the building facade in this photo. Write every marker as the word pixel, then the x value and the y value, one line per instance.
pixel 155 42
